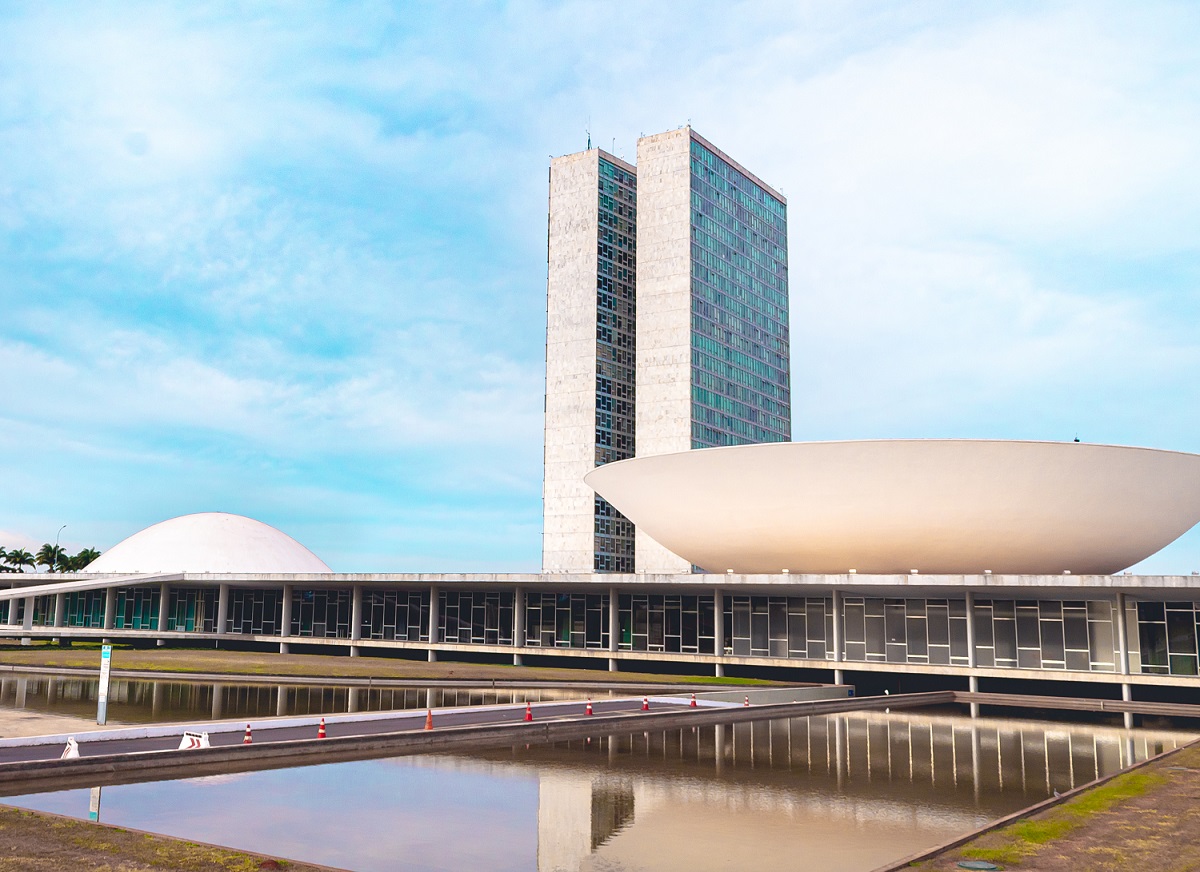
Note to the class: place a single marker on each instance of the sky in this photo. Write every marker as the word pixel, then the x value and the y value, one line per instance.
pixel 289 261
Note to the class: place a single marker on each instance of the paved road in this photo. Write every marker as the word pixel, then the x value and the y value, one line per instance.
pixel 263 732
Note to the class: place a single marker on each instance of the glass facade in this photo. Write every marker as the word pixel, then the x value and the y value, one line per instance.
pixel 476 617
pixel 740 345
pixel 1167 633
pixel 1043 634
pixel 192 610
pixel 666 622
pixel 396 614
pixel 616 314
pixel 566 620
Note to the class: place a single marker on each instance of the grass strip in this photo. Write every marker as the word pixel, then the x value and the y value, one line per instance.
pixel 1021 840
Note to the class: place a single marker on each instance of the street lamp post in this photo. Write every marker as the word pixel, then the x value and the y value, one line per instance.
pixel 54 567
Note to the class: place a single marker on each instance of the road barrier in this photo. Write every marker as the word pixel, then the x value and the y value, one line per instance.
pixel 193 741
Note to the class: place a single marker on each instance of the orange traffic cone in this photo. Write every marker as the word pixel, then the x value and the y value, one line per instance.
pixel 321 729
pixel 589 708
pixel 645 703
pixel 528 712
pixel 692 704
pixel 747 702
pixel 248 740
pixel 429 719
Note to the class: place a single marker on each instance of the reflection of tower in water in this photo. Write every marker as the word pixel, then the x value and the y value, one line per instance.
pixel 809 784
pixel 577 813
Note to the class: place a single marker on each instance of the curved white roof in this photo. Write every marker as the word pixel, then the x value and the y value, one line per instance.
pixel 209 542
pixel 943 506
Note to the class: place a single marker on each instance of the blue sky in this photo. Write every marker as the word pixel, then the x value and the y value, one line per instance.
pixel 289 261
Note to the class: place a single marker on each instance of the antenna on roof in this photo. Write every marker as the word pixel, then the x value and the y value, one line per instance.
pixel 588 130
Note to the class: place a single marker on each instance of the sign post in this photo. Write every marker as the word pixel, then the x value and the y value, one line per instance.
pixel 102 696
pixel 94 805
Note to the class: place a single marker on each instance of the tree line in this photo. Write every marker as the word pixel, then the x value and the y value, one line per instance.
pixel 54 557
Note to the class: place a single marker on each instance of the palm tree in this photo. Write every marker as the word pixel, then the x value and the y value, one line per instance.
pixel 83 558
pixel 50 555
pixel 4 567
pixel 19 558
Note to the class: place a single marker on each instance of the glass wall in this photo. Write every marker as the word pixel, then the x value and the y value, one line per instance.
pixel 478 617
pixel 192 610
pixel 666 622
pixel 779 626
pixel 740 376
pixel 616 320
pixel 137 608
pixel 321 613
pixel 85 609
pixel 1167 633
pixel 566 620
pixel 255 612
pixel 401 615
pixel 879 630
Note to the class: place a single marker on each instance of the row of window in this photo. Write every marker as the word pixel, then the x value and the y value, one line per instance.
pixel 1073 635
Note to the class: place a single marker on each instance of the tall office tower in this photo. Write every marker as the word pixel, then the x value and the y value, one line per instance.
pixel 704 243
pixel 712 308
pixel 590 383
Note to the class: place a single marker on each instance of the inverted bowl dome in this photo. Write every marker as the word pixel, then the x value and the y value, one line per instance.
pixel 208 542
pixel 943 506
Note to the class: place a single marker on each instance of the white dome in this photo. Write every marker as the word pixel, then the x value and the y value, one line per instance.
pixel 941 506
pixel 208 542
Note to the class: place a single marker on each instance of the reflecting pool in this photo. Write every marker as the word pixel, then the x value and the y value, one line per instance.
pixel 839 792
pixel 137 701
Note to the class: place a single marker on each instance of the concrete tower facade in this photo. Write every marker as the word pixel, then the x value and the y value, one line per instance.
pixel 590 358
pixel 667 330
pixel 712 317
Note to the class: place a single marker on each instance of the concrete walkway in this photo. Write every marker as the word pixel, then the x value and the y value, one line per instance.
pixel 160 737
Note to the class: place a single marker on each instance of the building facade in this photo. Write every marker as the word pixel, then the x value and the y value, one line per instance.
pixel 590 358
pixel 1114 634
pixel 667 329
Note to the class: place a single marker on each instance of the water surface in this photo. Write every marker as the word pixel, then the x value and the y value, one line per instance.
pixel 841 792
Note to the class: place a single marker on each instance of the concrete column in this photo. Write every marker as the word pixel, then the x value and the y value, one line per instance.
pixel 838 626
pixel 280 701
pixel 164 601
pixel 1127 695
pixel 218 699
pixel 110 608
pixel 156 699
pixel 223 608
pixel 356 594
pixel 27 621
pixel 435 621
pixel 972 656
pixel 719 631
pixel 518 624
pixel 285 623
pixel 60 613
pixel 614 619
pixel 1122 637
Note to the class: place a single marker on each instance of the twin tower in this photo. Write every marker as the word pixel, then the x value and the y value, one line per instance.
pixel 667 330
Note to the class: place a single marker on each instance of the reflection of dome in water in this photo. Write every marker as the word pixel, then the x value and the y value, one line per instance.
pixel 208 542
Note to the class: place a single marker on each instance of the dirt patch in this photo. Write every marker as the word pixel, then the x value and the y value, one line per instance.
pixel 207 660
pixel 1146 820
pixel 23 722
pixel 36 841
